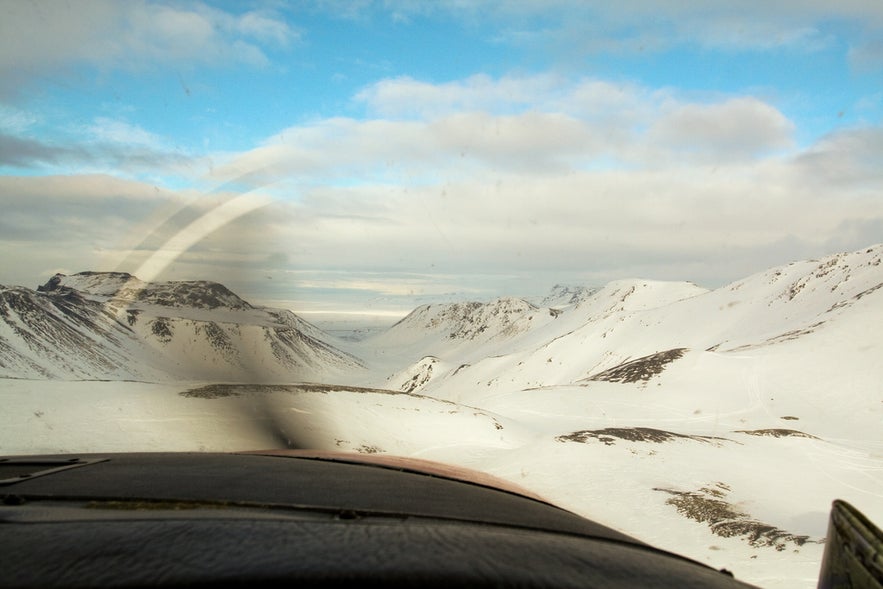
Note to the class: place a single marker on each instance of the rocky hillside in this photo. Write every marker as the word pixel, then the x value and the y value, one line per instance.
pixel 631 330
pixel 110 325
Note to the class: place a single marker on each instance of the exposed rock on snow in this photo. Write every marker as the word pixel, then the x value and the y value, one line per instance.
pixel 110 325
pixel 467 321
pixel 609 436
pixel 775 433
pixel 61 335
pixel 563 295
pixel 219 391
pixel 418 375
pixel 726 520
pixel 615 334
pixel 640 370
pixel 123 288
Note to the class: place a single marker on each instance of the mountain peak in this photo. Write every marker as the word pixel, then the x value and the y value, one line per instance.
pixel 122 286
pixel 467 320
pixel 102 284
pixel 566 294
pixel 111 325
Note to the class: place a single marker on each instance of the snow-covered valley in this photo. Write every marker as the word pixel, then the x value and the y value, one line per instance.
pixel 716 424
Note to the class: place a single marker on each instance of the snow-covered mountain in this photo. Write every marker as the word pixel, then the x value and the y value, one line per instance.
pixel 122 287
pixel 563 295
pixel 468 321
pixel 710 422
pixel 110 325
pixel 802 305
pixel 718 424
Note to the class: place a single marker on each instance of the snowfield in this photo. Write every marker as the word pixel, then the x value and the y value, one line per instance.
pixel 715 424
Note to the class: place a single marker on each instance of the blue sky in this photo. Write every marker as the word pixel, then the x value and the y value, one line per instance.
pixel 349 155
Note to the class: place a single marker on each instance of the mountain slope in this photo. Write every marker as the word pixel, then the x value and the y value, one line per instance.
pixel 62 336
pixel 113 326
pixel 630 320
pixel 467 321
pixel 122 287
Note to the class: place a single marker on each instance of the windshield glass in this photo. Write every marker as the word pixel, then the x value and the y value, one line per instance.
pixel 624 255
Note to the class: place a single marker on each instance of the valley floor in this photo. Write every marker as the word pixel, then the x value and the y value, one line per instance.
pixel 709 483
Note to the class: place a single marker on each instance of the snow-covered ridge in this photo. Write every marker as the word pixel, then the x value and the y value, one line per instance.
pixel 123 288
pixel 514 344
pixel 466 321
pixel 103 284
pixel 112 325
pixel 563 295
pixel 818 285
pixel 100 325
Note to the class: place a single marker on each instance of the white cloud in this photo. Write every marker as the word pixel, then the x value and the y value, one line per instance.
pixel 406 97
pixel 196 33
pixel 491 233
pixel 36 36
pixel 867 55
pixel 15 120
pixel 55 221
pixel 573 180
pixel 535 124
pixel 108 130
pixel 344 150
pixel 575 26
pixel 738 127
pixel 593 180
pixel 19 152
pixel 265 28
pixel 99 222
pixel 104 145
pixel 848 158
pixel 706 225
pixel 731 26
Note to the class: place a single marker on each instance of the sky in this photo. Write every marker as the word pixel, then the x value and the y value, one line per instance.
pixel 366 156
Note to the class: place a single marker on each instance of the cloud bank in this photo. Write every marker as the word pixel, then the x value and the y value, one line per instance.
pixel 129 35
pixel 482 183
pixel 565 183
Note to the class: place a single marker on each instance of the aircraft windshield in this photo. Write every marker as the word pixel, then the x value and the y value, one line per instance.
pixel 626 256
